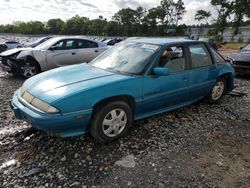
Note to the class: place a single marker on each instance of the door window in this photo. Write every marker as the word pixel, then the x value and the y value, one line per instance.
pixel 59 45
pixel 200 56
pixel 65 45
pixel 173 58
pixel 87 44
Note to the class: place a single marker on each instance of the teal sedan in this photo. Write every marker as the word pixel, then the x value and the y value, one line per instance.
pixel 135 79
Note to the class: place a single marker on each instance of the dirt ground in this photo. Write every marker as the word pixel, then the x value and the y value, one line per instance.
pixel 200 145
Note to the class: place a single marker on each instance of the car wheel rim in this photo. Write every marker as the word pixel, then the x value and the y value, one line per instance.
pixel 218 90
pixel 114 122
pixel 28 70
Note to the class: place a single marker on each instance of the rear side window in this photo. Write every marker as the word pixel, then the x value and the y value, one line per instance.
pixel 200 56
pixel 217 57
pixel 87 44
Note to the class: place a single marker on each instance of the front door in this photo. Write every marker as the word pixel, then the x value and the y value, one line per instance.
pixel 162 92
pixel 63 53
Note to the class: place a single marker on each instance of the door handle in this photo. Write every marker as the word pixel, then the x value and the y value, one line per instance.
pixel 96 51
pixel 73 53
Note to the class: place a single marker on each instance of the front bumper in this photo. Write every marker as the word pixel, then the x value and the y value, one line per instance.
pixel 63 125
pixel 5 68
pixel 241 69
pixel 8 64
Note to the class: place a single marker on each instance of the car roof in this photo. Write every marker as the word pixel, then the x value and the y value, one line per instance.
pixel 161 41
pixel 57 38
pixel 72 37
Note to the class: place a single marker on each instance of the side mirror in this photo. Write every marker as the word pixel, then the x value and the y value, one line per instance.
pixel 52 48
pixel 161 71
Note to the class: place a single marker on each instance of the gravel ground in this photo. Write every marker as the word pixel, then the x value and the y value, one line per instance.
pixel 197 146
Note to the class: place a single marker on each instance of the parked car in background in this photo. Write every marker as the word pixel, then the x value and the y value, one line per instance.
pixel 112 42
pixel 130 81
pixel 211 42
pixel 55 52
pixel 241 60
pixel 38 42
pixel 9 45
pixel 3 47
pixel 13 44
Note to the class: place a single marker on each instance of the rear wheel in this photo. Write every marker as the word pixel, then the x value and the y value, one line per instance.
pixel 218 90
pixel 28 69
pixel 111 121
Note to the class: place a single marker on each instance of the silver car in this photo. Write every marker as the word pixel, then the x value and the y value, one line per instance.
pixel 55 52
pixel 241 60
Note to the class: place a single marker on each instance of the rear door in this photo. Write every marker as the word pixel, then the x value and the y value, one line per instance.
pixel 64 53
pixel 203 73
pixel 87 50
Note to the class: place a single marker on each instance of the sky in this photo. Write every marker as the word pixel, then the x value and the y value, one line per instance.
pixel 43 10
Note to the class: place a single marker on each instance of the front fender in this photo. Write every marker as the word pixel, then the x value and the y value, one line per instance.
pixel 24 54
pixel 87 99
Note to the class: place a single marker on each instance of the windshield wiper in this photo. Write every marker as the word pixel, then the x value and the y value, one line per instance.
pixel 114 70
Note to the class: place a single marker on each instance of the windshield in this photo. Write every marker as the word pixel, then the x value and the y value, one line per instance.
pixel 126 57
pixel 47 44
pixel 246 48
pixel 38 40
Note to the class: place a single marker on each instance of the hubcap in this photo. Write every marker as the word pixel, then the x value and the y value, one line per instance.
pixel 114 122
pixel 218 90
pixel 28 70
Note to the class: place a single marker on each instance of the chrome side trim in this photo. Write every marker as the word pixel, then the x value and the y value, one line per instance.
pixel 80 111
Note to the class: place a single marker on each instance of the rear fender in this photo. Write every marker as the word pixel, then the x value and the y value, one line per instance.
pixel 227 71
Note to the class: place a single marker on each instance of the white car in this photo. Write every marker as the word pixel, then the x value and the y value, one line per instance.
pixel 55 52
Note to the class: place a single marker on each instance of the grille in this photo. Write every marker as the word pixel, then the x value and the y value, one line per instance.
pixel 4 61
pixel 241 63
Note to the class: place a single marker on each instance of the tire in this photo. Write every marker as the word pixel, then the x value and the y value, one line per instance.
pixel 217 91
pixel 115 126
pixel 28 68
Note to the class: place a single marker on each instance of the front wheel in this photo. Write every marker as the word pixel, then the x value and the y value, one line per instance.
pixel 28 69
pixel 218 90
pixel 111 121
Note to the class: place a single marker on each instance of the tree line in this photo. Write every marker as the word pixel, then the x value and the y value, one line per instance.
pixel 125 22
pixel 237 11
pixel 161 20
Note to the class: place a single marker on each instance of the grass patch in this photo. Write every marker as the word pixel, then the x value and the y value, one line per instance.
pixel 234 45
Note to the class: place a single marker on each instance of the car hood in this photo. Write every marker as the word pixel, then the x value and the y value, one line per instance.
pixel 241 56
pixel 64 76
pixel 13 51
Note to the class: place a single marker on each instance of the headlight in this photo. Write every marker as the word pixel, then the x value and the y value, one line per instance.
pixel 44 106
pixel 41 105
pixel 15 55
pixel 22 89
pixel 231 60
